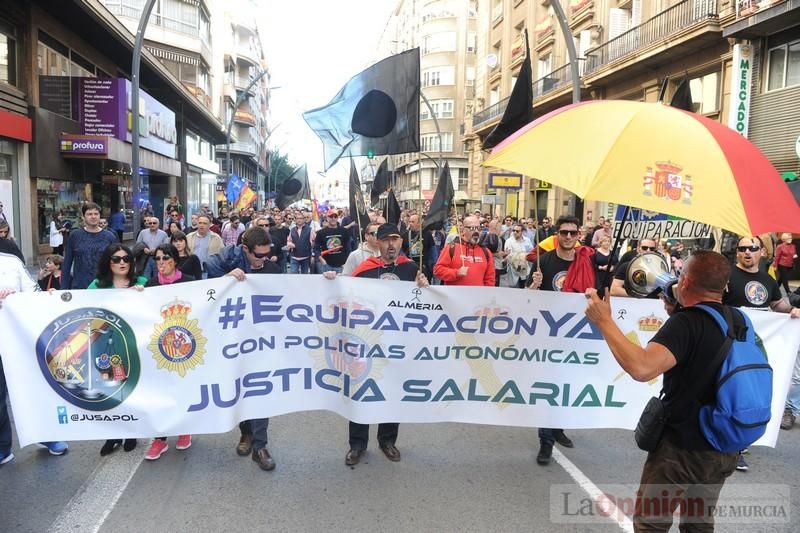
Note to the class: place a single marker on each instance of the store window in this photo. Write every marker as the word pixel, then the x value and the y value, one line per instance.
pixel 56 197
pixel 705 93
pixel 783 69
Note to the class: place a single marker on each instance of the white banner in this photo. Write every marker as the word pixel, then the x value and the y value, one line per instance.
pixel 200 357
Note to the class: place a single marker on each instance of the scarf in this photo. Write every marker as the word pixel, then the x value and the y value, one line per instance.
pixel 168 280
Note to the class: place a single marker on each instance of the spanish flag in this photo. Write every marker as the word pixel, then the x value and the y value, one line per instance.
pixel 246 197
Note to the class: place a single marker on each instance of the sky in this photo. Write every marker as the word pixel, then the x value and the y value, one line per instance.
pixel 313 47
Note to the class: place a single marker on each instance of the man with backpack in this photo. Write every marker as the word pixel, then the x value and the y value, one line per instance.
pixel 466 262
pixel 712 367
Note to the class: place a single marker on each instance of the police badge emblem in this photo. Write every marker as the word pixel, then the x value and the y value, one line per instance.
pixel 177 344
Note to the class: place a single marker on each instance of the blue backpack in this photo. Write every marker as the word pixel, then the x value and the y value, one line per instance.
pixel 743 404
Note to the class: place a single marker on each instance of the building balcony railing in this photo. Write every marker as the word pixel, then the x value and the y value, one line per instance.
pixel 244 117
pixel 246 148
pixel 556 79
pixel 248 53
pixel 132 9
pixel 746 8
pixel 672 20
pixel 241 84
pixel 493 111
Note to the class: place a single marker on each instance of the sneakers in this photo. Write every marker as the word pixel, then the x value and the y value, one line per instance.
pixel 787 421
pixel 245 445
pixel 184 442
pixel 156 450
pixel 545 453
pixel 741 464
pixel 6 457
pixel 56 447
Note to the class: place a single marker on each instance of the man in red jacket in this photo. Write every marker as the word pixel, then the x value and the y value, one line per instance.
pixel 466 262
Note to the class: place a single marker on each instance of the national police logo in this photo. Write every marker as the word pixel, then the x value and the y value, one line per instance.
pixel 756 293
pixel 89 357
pixel 558 280
pixel 177 344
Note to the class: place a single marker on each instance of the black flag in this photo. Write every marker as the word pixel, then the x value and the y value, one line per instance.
pixel 682 99
pixel 392 210
pixel 442 200
pixel 294 189
pixel 375 113
pixel 358 210
pixel 382 182
pixel 519 110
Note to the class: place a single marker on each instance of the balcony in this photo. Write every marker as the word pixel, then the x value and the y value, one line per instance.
pixel 241 84
pixel 241 148
pixel 248 53
pixel 755 19
pixel 132 9
pixel 680 18
pixel 560 77
pixel 244 117
pixel 491 112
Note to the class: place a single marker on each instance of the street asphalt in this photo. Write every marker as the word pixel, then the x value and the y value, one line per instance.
pixel 452 477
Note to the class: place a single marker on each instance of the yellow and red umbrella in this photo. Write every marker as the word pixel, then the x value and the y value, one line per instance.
pixel 657 158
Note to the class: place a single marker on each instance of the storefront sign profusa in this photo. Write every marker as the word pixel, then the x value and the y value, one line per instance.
pixel 83 144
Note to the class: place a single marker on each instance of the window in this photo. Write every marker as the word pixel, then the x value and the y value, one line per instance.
pixel 441 109
pixel 472 42
pixel 544 66
pixel 439 42
pixel 494 95
pixel 470 76
pixel 463 179
pixel 439 76
pixel 8 55
pixel 783 68
pixel 705 93
pixel 430 142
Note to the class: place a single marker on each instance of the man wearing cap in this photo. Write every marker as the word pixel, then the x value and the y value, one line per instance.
pixel 391 265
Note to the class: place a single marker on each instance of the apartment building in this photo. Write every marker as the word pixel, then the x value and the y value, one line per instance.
pixel 446 33
pixel 629 49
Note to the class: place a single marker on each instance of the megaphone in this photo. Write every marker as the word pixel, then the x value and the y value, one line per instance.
pixel 643 272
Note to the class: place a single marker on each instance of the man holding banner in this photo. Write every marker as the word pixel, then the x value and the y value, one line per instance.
pixel 391 265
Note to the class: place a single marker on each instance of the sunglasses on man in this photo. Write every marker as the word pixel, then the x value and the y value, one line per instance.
pixel 751 248
pixel 568 232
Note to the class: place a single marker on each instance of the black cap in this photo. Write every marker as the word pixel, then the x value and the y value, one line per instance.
pixel 387 230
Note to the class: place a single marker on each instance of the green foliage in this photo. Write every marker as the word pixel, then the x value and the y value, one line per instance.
pixel 280 170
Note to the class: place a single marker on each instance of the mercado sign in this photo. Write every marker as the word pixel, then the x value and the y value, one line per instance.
pixel 199 357
pixel 739 115
pixel 104 108
pixel 643 224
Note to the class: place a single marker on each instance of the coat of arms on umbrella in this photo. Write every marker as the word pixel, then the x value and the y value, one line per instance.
pixel 667 182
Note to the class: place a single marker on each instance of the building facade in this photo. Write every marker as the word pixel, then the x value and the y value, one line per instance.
pixel 634 49
pixel 446 33
pixel 72 89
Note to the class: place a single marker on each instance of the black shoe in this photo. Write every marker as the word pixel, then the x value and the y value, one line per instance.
pixel 391 452
pixel 109 446
pixel 545 453
pixel 562 439
pixel 129 445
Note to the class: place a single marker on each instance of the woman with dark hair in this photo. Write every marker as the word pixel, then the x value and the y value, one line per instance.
pixel 188 263
pixel 166 257
pixel 115 271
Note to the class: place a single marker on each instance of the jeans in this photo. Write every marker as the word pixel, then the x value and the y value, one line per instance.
pixel 5 423
pixel 282 262
pixel 690 478
pixel 257 429
pixel 359 435
pixel 793 399
pixel 301 266
pixel 329 268
pixel 548 435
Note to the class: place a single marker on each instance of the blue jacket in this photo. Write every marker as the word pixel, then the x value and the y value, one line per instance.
pixel 232 257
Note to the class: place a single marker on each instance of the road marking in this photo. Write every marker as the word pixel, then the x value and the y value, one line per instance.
pixel 614 514
pixel 91 505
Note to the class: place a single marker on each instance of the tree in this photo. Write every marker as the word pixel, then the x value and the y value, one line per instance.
pixel 280 168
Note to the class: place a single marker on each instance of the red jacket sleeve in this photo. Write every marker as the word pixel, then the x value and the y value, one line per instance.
pixel 444 269
pixel 489 275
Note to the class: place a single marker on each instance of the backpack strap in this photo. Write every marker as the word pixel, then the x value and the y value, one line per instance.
pixel 707 373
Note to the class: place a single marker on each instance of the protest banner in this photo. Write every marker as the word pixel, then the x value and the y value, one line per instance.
pixel 200 357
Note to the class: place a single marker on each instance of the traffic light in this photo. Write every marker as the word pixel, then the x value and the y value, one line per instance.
pixel 370 153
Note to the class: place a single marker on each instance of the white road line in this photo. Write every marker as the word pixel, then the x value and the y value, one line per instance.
pixel 593 491
pixel 91 505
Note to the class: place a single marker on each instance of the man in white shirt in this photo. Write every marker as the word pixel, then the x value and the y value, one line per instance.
pixel 152 236
pixel 368 249
pixel 517 247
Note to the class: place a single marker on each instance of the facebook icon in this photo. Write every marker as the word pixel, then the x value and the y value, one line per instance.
pixel 62 415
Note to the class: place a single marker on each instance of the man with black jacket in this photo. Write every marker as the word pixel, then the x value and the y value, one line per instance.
pixel 417 243
pixel 684 464
pixel 250 257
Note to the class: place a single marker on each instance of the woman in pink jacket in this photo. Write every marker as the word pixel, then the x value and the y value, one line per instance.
pixel 785 254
